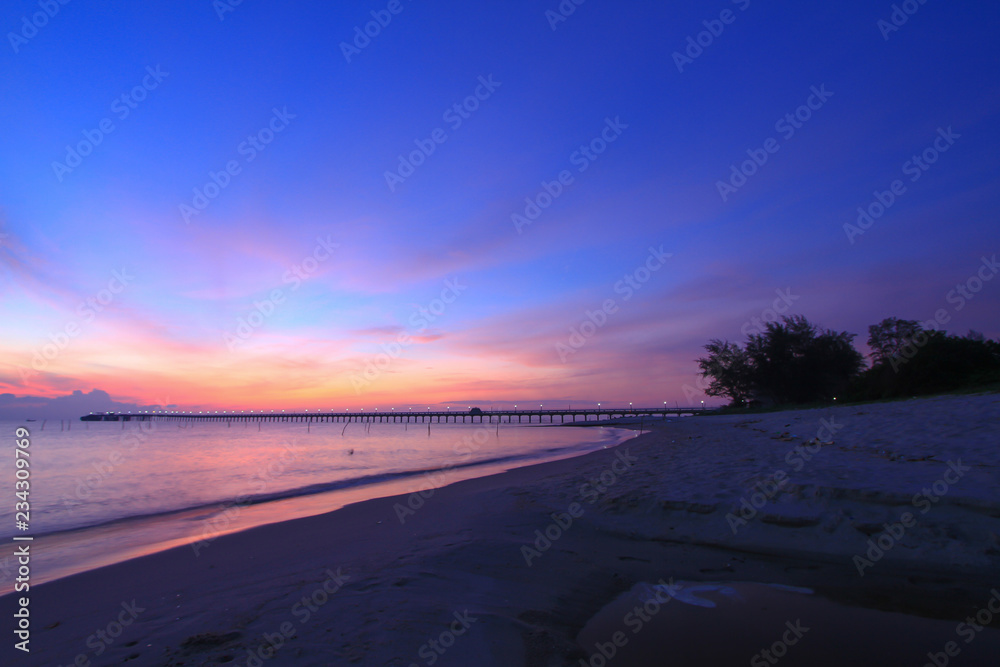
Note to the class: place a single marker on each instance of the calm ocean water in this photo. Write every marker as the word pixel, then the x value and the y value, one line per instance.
pixel 105 492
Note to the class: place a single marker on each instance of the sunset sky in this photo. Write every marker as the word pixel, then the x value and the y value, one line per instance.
pixel 281 288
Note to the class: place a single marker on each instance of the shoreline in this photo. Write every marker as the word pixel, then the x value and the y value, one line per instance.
pixel 663 516
pixel 139 535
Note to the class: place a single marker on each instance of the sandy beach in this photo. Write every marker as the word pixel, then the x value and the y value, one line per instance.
pixel 888 513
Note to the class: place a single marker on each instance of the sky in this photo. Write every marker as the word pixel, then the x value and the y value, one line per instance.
pixel 258 205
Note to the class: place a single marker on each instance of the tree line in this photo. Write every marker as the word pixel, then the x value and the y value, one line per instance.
pixel 794 362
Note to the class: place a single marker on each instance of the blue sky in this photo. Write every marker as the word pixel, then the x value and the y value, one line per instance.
pixel 323 177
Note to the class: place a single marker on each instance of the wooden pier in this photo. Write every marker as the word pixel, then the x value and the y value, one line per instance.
pixel 473 416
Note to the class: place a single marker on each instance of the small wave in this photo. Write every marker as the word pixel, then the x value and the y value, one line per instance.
pixel 202 511
pixel 688 591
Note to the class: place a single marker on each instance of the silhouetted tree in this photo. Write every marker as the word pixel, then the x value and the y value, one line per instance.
pixel 793 362
pixel 790 362
pixel 729 369
pixel 888 338
pixel 932 362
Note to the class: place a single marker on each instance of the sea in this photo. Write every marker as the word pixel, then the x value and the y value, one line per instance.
pixel 105 492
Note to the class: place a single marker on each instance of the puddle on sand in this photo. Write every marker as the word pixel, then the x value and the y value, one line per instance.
pixel 734 623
